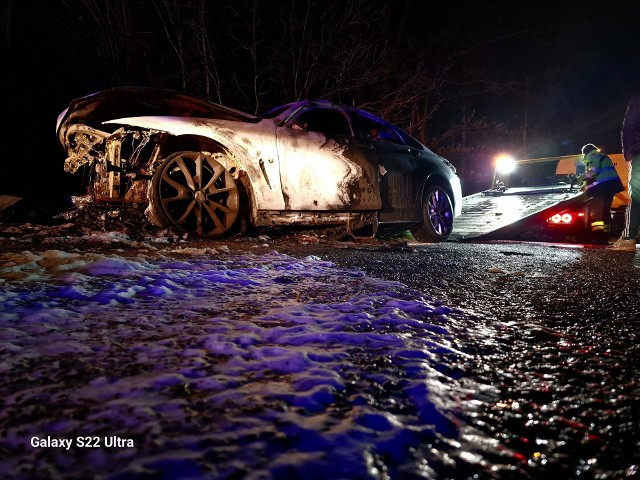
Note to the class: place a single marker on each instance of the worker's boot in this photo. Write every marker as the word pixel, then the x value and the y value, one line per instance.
pixel 624 245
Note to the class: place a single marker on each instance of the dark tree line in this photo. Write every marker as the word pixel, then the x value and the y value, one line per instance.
pixel 255 54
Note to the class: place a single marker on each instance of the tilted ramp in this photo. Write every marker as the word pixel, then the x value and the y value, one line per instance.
pixel 495 215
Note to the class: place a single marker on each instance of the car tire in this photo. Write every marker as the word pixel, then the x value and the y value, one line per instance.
pixel 437 216
pixel 193 192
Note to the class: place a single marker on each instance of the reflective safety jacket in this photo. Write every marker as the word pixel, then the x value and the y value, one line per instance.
pixel 599 169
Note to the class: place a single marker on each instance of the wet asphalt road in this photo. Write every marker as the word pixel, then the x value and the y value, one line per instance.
pixel 556 333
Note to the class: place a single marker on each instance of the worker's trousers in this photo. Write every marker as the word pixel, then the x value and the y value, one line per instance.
pixel 602 193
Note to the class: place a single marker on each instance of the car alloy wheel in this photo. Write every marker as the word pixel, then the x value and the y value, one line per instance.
pixel 437 216
pixel 440 211
pixel 195 193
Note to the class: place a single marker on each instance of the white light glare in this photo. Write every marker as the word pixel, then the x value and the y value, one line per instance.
pixel 505 164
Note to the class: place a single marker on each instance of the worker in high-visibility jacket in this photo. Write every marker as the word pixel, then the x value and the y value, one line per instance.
pixel 601 182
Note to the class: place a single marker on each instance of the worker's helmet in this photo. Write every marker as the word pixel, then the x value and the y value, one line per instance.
pixel 589 147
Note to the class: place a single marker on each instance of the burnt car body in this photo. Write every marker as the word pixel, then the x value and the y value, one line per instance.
pixel 209 170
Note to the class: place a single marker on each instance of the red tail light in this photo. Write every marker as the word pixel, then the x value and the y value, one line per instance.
pixel 564 218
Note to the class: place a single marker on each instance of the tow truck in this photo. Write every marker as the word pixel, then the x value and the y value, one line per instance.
pixel 537 199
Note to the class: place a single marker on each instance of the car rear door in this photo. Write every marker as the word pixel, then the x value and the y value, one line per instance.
pixel 402 171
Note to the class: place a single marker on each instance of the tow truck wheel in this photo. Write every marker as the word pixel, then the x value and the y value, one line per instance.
pixel 437 216
pixel 193 192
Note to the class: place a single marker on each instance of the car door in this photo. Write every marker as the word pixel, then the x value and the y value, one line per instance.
pixel 400 166
pixel 322 165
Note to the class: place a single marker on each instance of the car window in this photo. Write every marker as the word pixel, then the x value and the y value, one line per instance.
pixel 409 140
pixel 381 131
pixel 323 120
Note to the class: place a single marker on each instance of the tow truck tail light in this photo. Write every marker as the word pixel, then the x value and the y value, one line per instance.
pixel 564 218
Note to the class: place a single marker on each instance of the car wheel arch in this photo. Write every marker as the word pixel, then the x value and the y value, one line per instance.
pixel 190 143
pixel 229 158
pixel 441 181
pixel 194 143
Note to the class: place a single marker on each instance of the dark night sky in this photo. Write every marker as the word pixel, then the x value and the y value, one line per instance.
pixel 581 60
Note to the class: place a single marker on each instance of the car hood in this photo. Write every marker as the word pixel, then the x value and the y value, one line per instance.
pixel 95 109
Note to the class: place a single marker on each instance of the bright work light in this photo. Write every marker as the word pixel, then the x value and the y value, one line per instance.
pixel 505 164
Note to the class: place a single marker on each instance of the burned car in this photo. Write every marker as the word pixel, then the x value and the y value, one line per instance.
pixel 210 170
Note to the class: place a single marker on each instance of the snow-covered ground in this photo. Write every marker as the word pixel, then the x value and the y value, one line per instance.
pixel 199 363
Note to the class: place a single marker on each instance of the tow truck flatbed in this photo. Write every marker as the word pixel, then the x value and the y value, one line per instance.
pixel 499 215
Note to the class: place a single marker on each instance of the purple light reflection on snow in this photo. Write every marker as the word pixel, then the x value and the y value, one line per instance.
pixel 261 366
